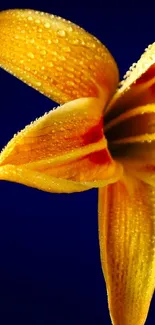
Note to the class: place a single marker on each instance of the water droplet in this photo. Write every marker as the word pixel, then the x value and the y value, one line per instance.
pixel 30 55
pixel 50 64
pixel 61 32
pixel 75 41
pixel 32 41
pixel 74 92
pixel 62 58
pixel 97 57
pixel 37 21
pixel 43 52
pixel 56 41
pixel 70 75
pixel 54 53
pixel 38 83
pixel 61 87
pixel 77 80
pixel 59 68
pixel 47 25
pixel 66 49
pixel 70 29
pixel 70 83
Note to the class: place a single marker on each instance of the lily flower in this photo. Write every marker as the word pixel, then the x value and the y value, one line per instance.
pixel 101 136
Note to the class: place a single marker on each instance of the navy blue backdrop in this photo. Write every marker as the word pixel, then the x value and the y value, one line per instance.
pixel 50 270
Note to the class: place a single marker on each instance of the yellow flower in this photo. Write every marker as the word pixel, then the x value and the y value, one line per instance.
pixel 67 151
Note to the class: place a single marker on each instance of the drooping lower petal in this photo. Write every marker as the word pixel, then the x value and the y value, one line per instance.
pixel 56 57
pixel 67 144
pixel 127 245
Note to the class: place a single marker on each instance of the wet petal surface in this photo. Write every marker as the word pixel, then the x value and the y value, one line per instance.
pixel 56 57
pixel 127 244
pixel 65 144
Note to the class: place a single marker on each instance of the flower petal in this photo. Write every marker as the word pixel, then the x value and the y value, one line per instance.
pixel 135 125
pixel 56 57
pixel 132 140
pixel 138 86
pixel 66 144
pixel 127 244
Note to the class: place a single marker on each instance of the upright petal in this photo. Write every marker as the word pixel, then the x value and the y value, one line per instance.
pixel 137 88
pixel 127 244
pixel 63 151
pixel 56 57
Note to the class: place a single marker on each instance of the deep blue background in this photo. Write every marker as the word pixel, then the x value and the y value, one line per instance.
pixel 50 269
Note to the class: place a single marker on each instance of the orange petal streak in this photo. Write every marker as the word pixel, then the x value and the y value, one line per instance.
pixel 65 144
pixel 127 244
pixel 56 57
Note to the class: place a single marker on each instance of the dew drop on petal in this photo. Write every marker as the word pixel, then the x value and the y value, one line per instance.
pixel 37 21
pixel 30 18
pixel 38 83
pixel 30 55
pixel 47 25
pixel 43 52
pixel 61 32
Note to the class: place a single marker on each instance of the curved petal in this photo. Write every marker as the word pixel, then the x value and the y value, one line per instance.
pixel 135 125
pixel 127 244
pixel 137 88
pixel 132 140
pixel 65 150
pixel 56 57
